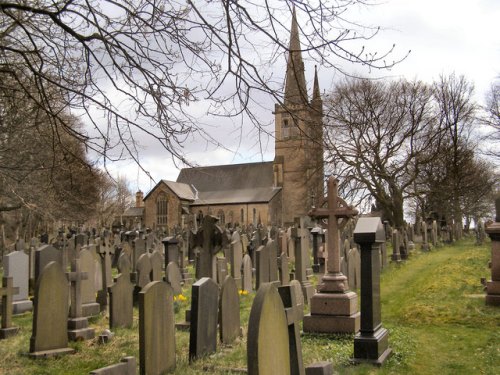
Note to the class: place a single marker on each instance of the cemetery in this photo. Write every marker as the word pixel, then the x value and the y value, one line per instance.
pixel 282 267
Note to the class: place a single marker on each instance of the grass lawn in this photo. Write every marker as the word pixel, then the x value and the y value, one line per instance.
pixel 433 306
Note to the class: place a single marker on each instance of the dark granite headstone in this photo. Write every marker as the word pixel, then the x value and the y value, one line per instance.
pixel 268 351
pixel 371 343
pixel 49 336
pixel 156 329
pixel 229 311
pixel 204 317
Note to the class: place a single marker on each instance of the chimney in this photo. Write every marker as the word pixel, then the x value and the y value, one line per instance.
pixel 139 196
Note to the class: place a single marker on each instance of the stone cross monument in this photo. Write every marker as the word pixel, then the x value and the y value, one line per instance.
pixel 334 308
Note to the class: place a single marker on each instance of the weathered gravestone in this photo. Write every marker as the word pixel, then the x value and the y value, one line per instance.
pixel 203 329
pixel 87 263
pixel 334 308
pixel 284 272
pixel 105 253
pixel 371 343
pixel 121 296
pixel 138 248
pixel 493 285
pixel 156 266
pixel 78 325
pixel 143 269
pixel 156 329
pixel 246 271
pixel 299 233
pixel 268 351
pixel 171 250
pixel 7 292
pixel 49 335
pixel 125 367
pixel 174 278
pixel 354 267
pixel 16 265
pixel 43 256
pixel 425 242
pixel 205 265
pixel 229 311
pixel 236 251
pixel 396 255
pixel 262 266
pixel 222 271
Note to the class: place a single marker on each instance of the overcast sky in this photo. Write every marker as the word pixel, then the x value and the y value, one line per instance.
pixel 444 36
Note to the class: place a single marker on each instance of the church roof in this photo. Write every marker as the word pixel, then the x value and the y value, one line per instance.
pixel 133 211
pixel 183 191
pixel 230 184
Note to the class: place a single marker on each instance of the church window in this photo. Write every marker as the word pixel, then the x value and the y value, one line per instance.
pixel 288 126
pixel 254 219
pixel 161 209
pixel 242 216
pixel 221 216
pixel 231 218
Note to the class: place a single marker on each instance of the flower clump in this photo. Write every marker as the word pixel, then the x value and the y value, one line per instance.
pixel 180 298
pixel 243 293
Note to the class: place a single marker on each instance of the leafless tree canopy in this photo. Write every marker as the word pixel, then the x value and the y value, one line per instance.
pixel 129 66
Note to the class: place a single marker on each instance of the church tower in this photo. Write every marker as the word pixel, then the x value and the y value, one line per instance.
pixel 298 163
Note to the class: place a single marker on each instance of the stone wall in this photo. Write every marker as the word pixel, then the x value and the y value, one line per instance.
pixel 174 208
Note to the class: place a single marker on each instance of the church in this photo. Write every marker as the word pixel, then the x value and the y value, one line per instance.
pixel 270 192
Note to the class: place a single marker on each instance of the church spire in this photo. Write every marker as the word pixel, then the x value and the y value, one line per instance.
pixel 316 93
pixel 295 86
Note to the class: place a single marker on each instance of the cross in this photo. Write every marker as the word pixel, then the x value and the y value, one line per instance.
pixel 76 276
pixel 333 280
pixel 105 253
pixel 294 314
pixel 7 293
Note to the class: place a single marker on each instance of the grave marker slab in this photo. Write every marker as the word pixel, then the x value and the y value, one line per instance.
pixel 88 290
pixel 7 293
pixel 174 278
pixel 49 335
pixel 156 266
pixel 125 367
pixel 121 296
pixel 43 256
pixel 229 311
pixel 16 265
pixel 493 285
pixel 156 329
pixel 247 283
pixel 204 316
pixel 268 350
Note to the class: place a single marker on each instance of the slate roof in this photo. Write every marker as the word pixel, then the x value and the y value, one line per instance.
pixel 234 183
pixel 183 191
pixel 134 211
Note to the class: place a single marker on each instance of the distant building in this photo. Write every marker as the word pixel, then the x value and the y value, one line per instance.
pixel 272 192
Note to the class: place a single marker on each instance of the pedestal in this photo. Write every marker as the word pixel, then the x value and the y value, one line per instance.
pixel 91 309
pixel 20 307
pixel 493 285
pixel 373 349
pixel 78 329
pixel 8 332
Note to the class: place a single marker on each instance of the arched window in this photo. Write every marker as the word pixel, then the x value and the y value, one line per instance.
pixel 242 217
pixel 231 217
pixel 221 216
pixel 254 219
pixel 161 209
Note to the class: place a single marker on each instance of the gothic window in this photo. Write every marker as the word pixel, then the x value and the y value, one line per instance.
pixel 161 209
pixel 221 216
pixel 254 219
pixel 288 126
pixel 242 216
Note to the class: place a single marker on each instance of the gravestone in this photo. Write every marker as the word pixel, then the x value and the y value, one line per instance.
pixel 425 242
pixel 246 266
pixel 396 255
pixel 262 266
pixel 126 367
pixel 16 266
pixel 174 278
pixel 204 316
pixel 334 308
pixel 294 314
pixel 143 269
pixel 7 292
pixel 43 256
pixel 206 262
pixel 121 296
pixel 268 350
pixel 222 271
pixel 156 329
pixel 78 325
pixel 171 250
pixel 273 262
pixel 49 335
pixel 105 253
pixel 299 231
pixel 493 285
pixel 371 343
pixel 236 251
pixel 89 305
pixel 229 311
pixel 315 232
pixel 434 233
pixel 284 272
pixel 138 248
pixel 156 266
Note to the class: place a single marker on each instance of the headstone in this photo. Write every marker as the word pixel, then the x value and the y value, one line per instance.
pixel 262 266
pixel 78 325
pixel 236 250
pixel 204 317
pixel 299 232
pixel 105 253
pixel 425 243
pixel 284 272
pixel 396 255
pixel 143 269
pixel 371 343
pixel 43 256
pixel 206 263
pixel 49 335
pixel 320 368
pixel 294 314
pixel 268 350
pixel 334 308
pixel 315 232
pixel 121 296
pixel 88 291
pixel 126 367
pixel 16 265
pixel 273 262
pixel 156 329
pixel 156 266
pixel 222 271
pixel 493 285
pixel 174 278
pixel 138 248
pixel 229 311
pixel 247 283
pixel 171 248
pixel 7 293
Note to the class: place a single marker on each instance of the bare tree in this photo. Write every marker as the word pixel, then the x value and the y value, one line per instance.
pixel 375 137
pixel 142 63
pixel 114 198
pixel 492 138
